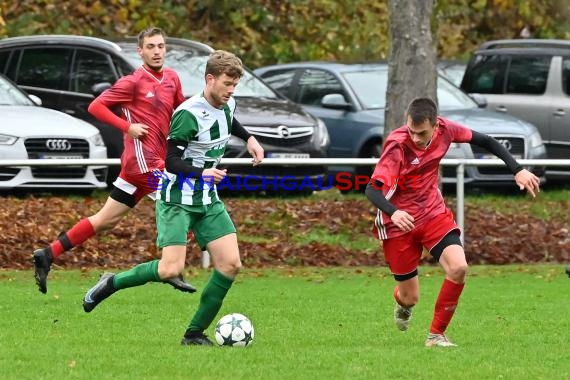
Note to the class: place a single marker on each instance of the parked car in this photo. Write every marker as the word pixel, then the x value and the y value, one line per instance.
pixel 350 98
pixel 28 131
pixel 452 70
pixel 68 71
pixel 529 79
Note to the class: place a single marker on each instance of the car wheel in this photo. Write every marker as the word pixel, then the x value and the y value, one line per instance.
pixel 372 150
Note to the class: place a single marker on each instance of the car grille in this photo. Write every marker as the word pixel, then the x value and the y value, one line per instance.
pixel 39 148
pixel 282 136
pixel 515 146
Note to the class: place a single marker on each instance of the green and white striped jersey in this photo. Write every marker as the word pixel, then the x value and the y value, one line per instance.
pixel 207 131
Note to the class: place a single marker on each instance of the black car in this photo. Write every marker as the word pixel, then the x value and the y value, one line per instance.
pixel 67 72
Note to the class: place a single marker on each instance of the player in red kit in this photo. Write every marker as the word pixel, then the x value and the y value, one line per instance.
pixel 147 99
pixel 412 214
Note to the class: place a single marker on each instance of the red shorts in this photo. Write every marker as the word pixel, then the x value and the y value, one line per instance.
pixel 403 253
pixel 137 185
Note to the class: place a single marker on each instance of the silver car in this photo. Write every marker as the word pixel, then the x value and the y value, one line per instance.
pixel 350 99
pixel 31 132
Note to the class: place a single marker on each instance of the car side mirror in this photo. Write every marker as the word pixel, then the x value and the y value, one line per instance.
pixel 37 101
pixel 480 100
pixel 98 88
pixel 335 101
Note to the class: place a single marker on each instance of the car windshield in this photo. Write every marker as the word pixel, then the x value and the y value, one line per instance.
pixel 190 69
pixel 370 89
pixel 10 95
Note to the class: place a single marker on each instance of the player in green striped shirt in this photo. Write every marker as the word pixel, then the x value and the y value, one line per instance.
pixel 187 198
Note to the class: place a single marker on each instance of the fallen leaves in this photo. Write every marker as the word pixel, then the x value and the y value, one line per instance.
pixel 491 238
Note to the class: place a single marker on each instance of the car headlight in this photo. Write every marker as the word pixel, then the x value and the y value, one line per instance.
pixel 97 140
pixel 535 140
pixel 322 134
pixel 7 140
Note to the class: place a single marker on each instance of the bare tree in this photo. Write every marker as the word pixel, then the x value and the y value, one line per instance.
pixel 412 63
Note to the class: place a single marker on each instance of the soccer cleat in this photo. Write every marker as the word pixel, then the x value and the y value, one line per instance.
pixel 196 338
pixel 101 290
pixel 402 316
pixel 179 283
pixel 438 340
pixel 42 263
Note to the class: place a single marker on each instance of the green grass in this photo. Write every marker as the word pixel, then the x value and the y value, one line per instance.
pixel 512 323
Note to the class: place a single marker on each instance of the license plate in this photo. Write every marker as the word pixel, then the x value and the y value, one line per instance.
pixel 288 155
pixel 56 156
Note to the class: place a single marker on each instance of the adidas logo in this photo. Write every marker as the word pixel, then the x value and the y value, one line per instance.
pixel 204 113
pixel 415 161
pixel 149 94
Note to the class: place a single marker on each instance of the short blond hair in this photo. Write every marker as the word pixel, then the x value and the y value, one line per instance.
pixel 223 62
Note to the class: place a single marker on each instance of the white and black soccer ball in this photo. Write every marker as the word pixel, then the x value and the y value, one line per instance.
pixel 234 330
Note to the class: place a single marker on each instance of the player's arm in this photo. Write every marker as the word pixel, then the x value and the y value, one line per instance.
pixel 104 114
pixel 122 92
pixel 253 147
pixel 376 196
pixel 174 162
pixel 524 178
pixel 401 219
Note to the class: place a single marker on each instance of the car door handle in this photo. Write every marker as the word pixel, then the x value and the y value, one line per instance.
pixel 69 111
pixel 559 113
pixel 501 109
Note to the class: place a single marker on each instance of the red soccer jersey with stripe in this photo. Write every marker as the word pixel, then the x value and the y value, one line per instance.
pixel 410 175
pixel 145 97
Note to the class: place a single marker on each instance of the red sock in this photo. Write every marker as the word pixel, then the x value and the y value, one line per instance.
pixel 82 231
pixel 397 296
pixel 445 306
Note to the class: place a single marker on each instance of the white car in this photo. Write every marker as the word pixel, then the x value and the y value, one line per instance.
pixel 31 132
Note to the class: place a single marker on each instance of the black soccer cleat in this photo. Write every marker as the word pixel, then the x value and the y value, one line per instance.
pixel 568 270
pixel 196 338
pixel 42 264
pixel 179 284
pixel 101 290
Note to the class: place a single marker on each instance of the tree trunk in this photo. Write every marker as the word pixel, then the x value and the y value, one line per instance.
pixel 412 63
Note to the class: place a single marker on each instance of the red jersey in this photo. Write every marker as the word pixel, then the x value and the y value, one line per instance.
pixel 145 97
pixel 410 175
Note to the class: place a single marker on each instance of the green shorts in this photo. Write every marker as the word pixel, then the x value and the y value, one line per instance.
pixel 208 223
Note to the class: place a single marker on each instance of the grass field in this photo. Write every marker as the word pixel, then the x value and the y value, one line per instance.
pixel 512 323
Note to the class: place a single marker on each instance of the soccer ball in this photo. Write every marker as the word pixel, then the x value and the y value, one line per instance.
pixel 234 330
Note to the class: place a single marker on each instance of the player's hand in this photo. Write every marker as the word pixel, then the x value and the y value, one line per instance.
pixel 255 150
pixel 403 220
pixel 137 130
pixel 213 175
pixel 527 180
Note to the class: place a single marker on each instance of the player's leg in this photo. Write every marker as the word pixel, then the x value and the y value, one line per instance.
pixel 116 207
pixel 403 255
pixel 215 231
pixel 173 222
pixel 449 252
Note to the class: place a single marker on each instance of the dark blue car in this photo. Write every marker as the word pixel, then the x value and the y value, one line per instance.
pixel 350 99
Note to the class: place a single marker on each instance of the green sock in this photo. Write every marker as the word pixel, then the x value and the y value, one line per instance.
pixel 211 301
pixel 139 275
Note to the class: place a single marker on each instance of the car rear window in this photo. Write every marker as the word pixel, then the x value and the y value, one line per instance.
pixel 485 74
pixel 528 75
pixel 45 68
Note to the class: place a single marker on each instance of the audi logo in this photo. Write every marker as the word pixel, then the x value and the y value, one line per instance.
pixel 283 131
pixel 506 143
pixel 58 144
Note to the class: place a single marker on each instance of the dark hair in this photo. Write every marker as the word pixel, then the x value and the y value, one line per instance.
pixel 149 32
pixel 422 109
pixel 223 62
